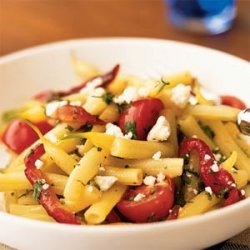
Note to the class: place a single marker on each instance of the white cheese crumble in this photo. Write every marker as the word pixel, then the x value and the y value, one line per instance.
pixel 157 155
pixel 51 107
pixel 5 157
pixel 131 94
pixel 233 185
pixel 160 177
pixel 193 100
pixel 215 167
pixel 160 131
pixel 180 95
pixel 98 92
pixel 45 186
pixel 112 129
pixel 90 87
pixel 217 156
pixel 149 180
pixel 139 197
pixel 38 163
pixel 105 182
pixel 209 190
pixel 207 157
pixel 242 191
pixel 129 135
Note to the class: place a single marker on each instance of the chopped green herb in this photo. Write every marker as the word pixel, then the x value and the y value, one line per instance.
pixel 126 166
pixel 161 85
pixel 106 97
pixel 12 193
pixel 209 196
pixel 131 198
pixel 99 149
pixel 208 131
pixel 122 106
pixel 37 188
pixel 68 127
pixel 131 127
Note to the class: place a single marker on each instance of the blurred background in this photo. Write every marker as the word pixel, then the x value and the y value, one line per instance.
pixel 25 23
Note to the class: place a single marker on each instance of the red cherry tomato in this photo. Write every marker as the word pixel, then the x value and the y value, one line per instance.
pixel 143 113
pixel 18 135
pixel 113 217
pixel 154 206
pixel 233 101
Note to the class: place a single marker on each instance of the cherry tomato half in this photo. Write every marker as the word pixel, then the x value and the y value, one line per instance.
pixel 143 113
pixel 233 101
pixel 154 206
pixel 18 135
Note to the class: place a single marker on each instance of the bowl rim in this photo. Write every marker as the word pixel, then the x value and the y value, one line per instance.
pixel 58 45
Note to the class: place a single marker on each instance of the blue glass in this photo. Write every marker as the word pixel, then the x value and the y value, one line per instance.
pixel 202 16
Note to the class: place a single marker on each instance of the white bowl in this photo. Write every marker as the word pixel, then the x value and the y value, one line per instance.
pixel 27 72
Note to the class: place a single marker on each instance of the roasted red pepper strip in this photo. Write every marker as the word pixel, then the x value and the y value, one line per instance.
pixel 233 101
pixel 76 114
pixel 218 181
pixel 98 81
pixel 173 215
pixel 113 217
pixel 47 198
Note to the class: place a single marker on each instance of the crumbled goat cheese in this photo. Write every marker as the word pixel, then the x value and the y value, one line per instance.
pixel 45 186
pixel 38 163
pixel 112 129
pixel 105 182
pixel 139 197
pixel 215 167
pixel 180 95
pixel 160 131
pixel 5 157
pixel 149 180
pixel 129 135
pixel 90 87
pixel 193 100
pixel 157 155
pixel 131 94
pixel 207 157
pixel 217 156
pixel 233 185
pixel 160 177
pixel 242 191
pixel 51 107
pixel 209 190
pixel 98 92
